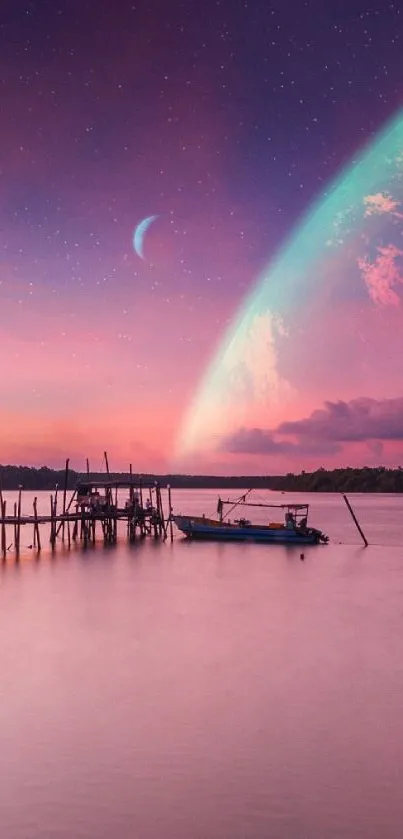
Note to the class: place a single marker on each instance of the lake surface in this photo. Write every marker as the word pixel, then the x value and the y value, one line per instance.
pixel 202 691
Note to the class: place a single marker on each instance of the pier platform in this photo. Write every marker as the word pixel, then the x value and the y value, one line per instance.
pixel 93 511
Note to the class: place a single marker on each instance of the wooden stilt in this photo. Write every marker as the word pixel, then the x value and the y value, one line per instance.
pixel 37 535
pixel 17 544
pixel 54 517
pixel 52 537
pixel 170 513
pixel 83 532
pixel 3 528
pixel 34 531
pixel 67 510
pixel 65 484
pixel 15 525
pixel 162 526
pixel 56 497
pixel 131 490
pixel 75 526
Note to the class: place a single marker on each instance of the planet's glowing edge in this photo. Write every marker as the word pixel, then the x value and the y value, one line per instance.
pixel 288 275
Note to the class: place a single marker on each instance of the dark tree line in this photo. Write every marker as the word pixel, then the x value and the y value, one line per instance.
pixel 367 479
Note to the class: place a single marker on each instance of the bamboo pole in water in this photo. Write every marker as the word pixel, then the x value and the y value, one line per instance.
pixel 131 491
pixel 171 533
pixel 15 524
pixel 3 526
pixel 66 478
pixel 163 527
pixel 52 522
pixel 37 535
pixel 354 518
pixel 18 532
pixel 67 510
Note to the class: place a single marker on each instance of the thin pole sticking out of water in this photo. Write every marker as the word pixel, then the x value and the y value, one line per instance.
pixel 170 512
pixel 353 516
pixel 3 525
pixel 66 480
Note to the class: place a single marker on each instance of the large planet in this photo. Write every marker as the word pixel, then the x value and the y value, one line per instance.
pixel 323 324
pixel 139 234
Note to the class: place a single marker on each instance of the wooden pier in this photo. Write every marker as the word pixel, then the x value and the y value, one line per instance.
pixel 93 513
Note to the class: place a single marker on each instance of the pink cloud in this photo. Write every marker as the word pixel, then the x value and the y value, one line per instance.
pixel 381 203
pixel 383 275
pixel 359 420
pixel 262 441
pixel 362 421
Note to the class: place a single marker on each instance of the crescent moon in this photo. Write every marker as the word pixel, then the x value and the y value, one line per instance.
pixel 139 234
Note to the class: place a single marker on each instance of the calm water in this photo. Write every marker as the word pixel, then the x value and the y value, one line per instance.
pixel 207 691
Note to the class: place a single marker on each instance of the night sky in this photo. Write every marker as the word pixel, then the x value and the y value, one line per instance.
pixel 226 120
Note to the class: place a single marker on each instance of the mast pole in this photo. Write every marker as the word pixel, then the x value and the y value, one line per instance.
pixel 235 504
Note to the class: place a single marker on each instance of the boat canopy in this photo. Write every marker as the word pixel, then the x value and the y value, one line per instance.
pixel 296 512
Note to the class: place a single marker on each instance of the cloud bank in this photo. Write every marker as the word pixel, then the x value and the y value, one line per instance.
pixel 361 420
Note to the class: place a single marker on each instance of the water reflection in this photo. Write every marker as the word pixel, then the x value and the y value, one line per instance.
pixel 203 690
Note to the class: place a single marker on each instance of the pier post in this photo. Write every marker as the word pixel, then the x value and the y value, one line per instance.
pixel 17 544
pixel 3 527
pixel 55 517
pixel 37 535
pixel 67 510
pixel 162 528
pixel 15 526
pixel 83 529
pixel 171 533
pixel 75 526
pixel 66 478
pixel 131 486
pixel 52 521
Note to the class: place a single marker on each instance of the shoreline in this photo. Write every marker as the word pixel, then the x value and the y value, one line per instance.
pixel 363 480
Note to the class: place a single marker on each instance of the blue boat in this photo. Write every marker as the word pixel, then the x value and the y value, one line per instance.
pixel 293 530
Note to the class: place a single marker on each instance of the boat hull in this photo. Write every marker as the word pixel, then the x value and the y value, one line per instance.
pixel 196 528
